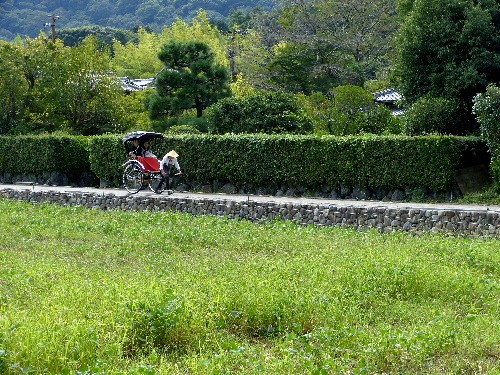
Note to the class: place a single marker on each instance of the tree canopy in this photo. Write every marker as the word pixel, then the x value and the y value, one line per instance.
pixel 139 59
pixel 190 79
pixel 259 112
pixel 46 86
pixel 438 53
pixel 28 17
pixel 308 46
pixel 449 49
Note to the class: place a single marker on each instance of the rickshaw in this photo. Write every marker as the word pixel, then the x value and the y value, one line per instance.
pixel 140 172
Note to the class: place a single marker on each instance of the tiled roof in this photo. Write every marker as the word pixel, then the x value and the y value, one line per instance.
pixel 388 96
pixel 136 84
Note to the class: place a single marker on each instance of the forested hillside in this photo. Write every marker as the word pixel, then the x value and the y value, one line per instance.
pixel 27 18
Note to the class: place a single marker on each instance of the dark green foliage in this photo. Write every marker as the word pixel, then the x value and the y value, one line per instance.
pixel 190 79
pixel 104 35
pixel 294 69
pixel 495 173
pixel 46 87
pixel 269 161
pixel 263 112
pixel 353 111
pixel 226 116
pixel 487 111
pixel 379 119
pixel 449 49
pixel 181 124
pixel 316 162
pixel 431 115
pixel 21 68
pixel 312 46
pixel 313 162
pixel 183 129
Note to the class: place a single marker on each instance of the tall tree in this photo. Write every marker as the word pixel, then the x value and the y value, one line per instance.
pixel 13 88
pixel 190 79
pixel 250 56
pixel 329 42
pixel 137 59
pixel 22 66
pixel 45 86
pixel 80 91
pixel 449 49
pixel 140 59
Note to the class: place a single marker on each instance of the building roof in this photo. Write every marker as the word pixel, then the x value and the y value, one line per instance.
pixel 136 84
pixel 391 98
pixel 388 96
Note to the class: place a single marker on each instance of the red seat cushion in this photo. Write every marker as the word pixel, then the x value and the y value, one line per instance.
pixel 150 164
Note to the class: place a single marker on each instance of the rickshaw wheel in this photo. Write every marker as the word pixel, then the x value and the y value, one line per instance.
pixel 133 178
pixel 154 183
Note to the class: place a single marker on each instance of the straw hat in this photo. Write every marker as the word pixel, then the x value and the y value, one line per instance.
pixel 172 154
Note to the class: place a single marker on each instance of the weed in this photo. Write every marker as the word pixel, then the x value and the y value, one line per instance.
pixel 155 326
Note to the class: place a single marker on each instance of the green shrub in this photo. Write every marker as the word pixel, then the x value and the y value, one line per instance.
pixel 351 110
pixel 394 125
pixel 260 160
pixel 262 112
pixel 377 120
pixel 318 107
pixel 200 124
pixel 315 162
pixel 486 108
pixel 161 126
pixel 487 111
pixel 350 105
pixel 495 173
pixel 431 115
pixel 186 123
pixel 183 129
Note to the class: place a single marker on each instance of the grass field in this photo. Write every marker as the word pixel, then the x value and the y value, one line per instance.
pixel 110 292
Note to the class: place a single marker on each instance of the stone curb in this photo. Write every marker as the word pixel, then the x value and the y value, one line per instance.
pixel 384 219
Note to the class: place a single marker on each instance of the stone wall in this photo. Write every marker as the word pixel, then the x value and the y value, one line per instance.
pixel 384 219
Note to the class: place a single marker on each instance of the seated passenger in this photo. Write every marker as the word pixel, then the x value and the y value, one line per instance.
pixel 143 150
pixel 147 151
pixel 137 149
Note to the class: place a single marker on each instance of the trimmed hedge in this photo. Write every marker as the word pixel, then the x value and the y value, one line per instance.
pixel 306 161
pixel 313 162
pixel 45 153
pixel 107 154
pixel 254 161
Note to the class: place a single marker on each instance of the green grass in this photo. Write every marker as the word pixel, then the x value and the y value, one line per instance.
pixel 110 292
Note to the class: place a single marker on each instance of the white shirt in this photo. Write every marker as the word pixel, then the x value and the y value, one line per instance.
pixel 166 161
